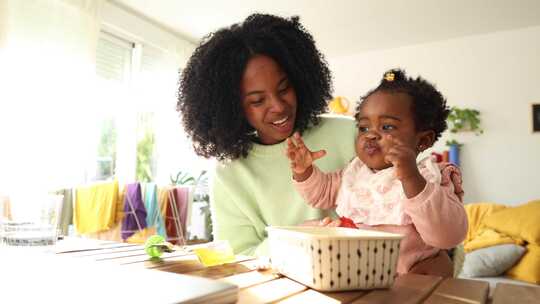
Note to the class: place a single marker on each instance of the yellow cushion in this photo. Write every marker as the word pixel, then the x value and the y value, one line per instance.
pixel 519 222
pixel 475 215
pixel 488 237
pixel 528 268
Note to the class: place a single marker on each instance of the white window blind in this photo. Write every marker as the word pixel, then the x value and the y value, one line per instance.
pixel 153 60
pixel 157 79
pixel 113 58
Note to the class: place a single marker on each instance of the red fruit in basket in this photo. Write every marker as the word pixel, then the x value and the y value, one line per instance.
pixel 347 222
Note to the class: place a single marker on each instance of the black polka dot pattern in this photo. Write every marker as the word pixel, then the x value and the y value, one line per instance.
pixel 344 264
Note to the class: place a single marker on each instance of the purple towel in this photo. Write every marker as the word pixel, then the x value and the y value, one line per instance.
pixel 135 212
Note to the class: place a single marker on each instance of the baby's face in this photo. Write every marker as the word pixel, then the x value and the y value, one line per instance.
pixel 380 115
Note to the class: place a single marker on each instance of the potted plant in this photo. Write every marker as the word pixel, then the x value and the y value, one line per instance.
pixel 464 119
pixel 461 120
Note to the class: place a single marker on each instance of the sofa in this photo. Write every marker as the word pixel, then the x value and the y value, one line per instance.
pixel 502 244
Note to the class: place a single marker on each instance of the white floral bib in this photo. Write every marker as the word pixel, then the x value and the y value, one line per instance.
pixel 376 198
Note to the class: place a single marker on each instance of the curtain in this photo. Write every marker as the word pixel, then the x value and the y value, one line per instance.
pixel 47 78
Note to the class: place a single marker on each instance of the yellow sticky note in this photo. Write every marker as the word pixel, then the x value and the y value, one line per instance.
pixel 215 253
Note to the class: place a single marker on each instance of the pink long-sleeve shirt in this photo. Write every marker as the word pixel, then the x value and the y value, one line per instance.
pixel 433 220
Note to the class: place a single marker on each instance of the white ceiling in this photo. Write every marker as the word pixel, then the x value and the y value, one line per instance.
pixel 343 27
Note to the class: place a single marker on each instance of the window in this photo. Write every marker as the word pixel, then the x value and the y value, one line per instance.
pixel 139 133
pixel 153 82
pixel 146 160
pixel 114 57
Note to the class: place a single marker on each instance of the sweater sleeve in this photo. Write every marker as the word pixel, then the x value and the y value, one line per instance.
pixel 438 213
pixel 231 224
pixel 320 189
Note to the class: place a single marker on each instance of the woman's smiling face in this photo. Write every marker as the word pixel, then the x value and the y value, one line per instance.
pixel 268 100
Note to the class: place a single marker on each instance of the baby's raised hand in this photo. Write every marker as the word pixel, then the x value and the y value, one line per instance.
pixel 403 158
pixel 301 157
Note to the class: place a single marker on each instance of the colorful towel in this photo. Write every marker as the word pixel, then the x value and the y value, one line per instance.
pixel 176 214
pixel 95 207
pixel 153 212
pixel 134 211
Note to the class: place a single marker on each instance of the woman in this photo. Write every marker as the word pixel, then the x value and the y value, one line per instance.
pixel 244 91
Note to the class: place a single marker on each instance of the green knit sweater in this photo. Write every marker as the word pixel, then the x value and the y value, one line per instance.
pixel 249 194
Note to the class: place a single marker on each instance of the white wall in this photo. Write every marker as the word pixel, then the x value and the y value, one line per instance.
pixel 137 29
pixel 498 74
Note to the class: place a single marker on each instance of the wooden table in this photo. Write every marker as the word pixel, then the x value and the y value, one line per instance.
pixel 269 287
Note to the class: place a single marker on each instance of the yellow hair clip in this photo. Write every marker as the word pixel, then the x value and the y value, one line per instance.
pixel 389 76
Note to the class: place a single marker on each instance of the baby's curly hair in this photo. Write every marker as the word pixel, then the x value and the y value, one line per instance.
pixel 209 89
pixel 428 104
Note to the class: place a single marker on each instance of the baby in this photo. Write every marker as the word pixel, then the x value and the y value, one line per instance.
pixel 384 188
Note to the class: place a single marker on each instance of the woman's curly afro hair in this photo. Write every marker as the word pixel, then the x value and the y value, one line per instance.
pixel 209 98
pixel 428 104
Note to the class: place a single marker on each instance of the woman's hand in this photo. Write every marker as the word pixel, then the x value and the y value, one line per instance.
pixel 301 157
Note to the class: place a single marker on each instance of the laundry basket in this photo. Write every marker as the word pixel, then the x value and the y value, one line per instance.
pixel 334 258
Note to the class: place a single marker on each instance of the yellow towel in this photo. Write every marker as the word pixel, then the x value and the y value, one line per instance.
pixel 141 236
pixel 163 201
pixel 95 207
pixel 119 216
pixel 478 235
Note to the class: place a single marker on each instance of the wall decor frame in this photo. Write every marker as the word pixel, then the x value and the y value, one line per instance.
pixel 535 109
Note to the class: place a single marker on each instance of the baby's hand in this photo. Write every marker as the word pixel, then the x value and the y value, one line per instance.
pixel 301 157
pixel 403 158
pixel 329 222
pixel 325 222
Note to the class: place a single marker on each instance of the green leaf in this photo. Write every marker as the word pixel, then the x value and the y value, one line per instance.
pixel 453 142
pixel 460 120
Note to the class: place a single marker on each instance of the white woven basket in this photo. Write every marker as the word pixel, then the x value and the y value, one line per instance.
pixel 333 258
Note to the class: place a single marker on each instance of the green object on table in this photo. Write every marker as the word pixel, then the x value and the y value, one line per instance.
pixel 152 247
